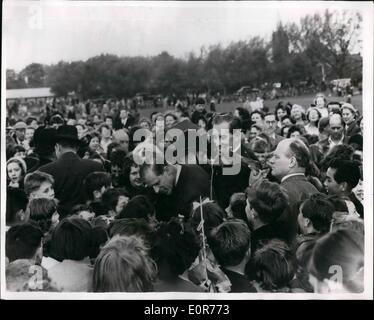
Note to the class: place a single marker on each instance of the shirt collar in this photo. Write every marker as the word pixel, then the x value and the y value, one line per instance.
pixel 292 175
pixel 333 143
pixel 179 169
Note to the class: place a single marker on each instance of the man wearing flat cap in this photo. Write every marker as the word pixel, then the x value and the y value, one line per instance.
pixel 20 130
pixel 69 170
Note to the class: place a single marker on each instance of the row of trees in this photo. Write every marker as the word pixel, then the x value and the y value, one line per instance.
pixel 319 48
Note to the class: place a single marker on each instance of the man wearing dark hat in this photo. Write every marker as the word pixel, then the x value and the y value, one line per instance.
pixel 69 170
pixel 43 144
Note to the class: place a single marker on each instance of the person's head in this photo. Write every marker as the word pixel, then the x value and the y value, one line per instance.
pixel 297 112
pixel 337 263
pixel 158 176
pixel 286 121
pixel 99 237
pixel 159 120
pixel 342 176
pixel 39 185
pixel 257 117
pixel 44 141
pixel 213 216
pixel 15 150
pixel 132 135
pixel 174 249
pixel 270 123
pixel 170 119
pixel 200 104
pixel 290 156
pixel 105 131
pixel 145 123
pixel 20 130
pixel 361 124
pixel 122 137
pixel 96 119
pixel 315 214
pixel 242 113
pixel 83 211
pixel 81 130
pixel 94 143
pixel 280 112
pixel 313 116
pixel 16 169
pixel 284 131
pixel 295 131
pixel 16 203
pixel 67 235
pixel 138 207
pixel 109 121
pixel 57 120
pixel 320 102
pixel 348 113
pixel 181 111
pixel 131 172
pixel 114 200
pixel 32 122
pixel 254 131
pixel 261 149
pixel 271 265
pixel 44 212
pixel 24 241
pixel 123 265
pixel 236 209
pixel 265 204
pixel 341 151
pixel 334 107
pixel 202 122
pixel 323 128
pixel 123 114
pixel 344 220
pixel 29 133
pixel 132 227
pixel 336 127
pixel 66 140
pixel 224 126
pixel 230 243
pixel 95 185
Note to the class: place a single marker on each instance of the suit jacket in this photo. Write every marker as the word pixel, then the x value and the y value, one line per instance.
pixel 298 188
pixel 128 124
pixel 193 182
pixel 239 282
pixel 274 141
pixel 351 130
pixel 69 172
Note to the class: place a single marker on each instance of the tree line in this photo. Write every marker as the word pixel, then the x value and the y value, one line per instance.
pixel 318 49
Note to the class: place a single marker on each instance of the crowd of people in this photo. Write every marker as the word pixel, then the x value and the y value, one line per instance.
pixel 84 215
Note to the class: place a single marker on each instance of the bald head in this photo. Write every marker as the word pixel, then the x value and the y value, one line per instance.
pixel 335 119
pixel 336 127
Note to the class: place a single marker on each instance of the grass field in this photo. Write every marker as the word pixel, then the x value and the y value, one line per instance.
pixel 230 106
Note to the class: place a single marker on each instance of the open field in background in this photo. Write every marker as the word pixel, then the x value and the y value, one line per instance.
pixel 305 101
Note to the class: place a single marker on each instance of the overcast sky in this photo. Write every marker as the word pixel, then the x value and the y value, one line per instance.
pixel 50 31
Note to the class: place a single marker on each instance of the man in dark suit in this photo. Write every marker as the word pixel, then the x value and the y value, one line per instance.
pixel 177 187
pixel 69 170
pixel 288 164
pixel 270 128
pixel 124 120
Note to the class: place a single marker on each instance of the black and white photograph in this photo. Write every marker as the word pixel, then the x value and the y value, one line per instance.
pixel 162 150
